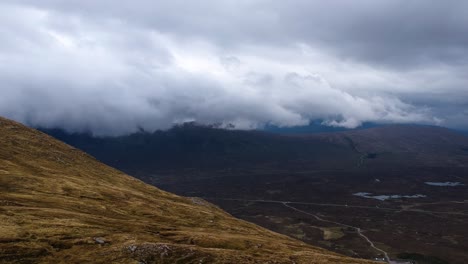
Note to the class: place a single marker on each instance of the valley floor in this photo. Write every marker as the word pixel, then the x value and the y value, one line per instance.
pixel 322 210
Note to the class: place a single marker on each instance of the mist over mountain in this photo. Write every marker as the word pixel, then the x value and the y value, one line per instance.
pixel 314 126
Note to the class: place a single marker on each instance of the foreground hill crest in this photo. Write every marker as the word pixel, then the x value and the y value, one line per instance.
pixel 60 205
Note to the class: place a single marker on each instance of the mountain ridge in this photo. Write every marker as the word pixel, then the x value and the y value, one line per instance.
pixel 200 146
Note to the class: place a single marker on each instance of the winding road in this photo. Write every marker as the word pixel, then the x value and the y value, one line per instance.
pixel 347 206
pixel 359 231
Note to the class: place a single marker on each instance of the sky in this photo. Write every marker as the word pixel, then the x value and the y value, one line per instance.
pixel 115 67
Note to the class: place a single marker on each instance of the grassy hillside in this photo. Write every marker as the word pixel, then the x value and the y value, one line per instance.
pixel 59 205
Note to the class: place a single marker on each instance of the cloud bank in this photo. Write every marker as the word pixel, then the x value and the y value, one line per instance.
pixel 114 68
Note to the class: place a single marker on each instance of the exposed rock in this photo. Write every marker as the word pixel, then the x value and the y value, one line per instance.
pixel 100 240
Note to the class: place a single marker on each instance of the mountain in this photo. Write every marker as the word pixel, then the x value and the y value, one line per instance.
pixel 393 183
pixel 200 147
pixel 60 205
pixel 315 126
pixel 407 145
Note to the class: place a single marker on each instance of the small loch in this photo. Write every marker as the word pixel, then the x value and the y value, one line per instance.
pixel 387 197
pixel 446 184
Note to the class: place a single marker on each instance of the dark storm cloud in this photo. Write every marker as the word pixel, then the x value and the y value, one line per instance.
pixel 395 32
pixel 112 67
pixel 388 32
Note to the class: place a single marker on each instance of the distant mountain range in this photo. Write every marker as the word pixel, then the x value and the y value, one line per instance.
pixel 190 145
pixel 315 126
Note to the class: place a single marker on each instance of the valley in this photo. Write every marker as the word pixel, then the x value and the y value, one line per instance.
pixel 305 186
pixel 434 225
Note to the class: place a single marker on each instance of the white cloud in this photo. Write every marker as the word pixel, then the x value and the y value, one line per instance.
pixel 112 74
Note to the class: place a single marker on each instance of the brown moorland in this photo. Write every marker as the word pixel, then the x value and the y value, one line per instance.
pixel 60 205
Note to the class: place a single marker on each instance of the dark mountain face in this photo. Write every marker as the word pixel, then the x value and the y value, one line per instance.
pixel 199 147
pixel 191 146
pixel 393 182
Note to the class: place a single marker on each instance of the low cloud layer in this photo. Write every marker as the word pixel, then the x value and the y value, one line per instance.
pixel 114 68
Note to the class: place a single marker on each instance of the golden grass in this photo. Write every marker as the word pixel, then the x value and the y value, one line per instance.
pixel 60 205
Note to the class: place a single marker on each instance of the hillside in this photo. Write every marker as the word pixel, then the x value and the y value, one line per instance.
pixel 59 205
pixel 408 145
pixel 203 148
pixel 193 146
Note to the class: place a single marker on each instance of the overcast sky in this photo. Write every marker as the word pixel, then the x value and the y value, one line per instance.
pixel 115 66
